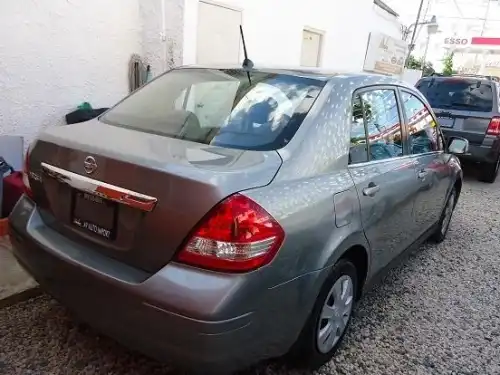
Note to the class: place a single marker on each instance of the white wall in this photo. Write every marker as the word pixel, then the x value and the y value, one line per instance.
pixel 385 23
pixel 162 17
pixel 55 54
pixel 273 30
pixel 411 76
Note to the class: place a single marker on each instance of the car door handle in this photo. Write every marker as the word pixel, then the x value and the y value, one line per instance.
pixel 422 174
pixel 371 190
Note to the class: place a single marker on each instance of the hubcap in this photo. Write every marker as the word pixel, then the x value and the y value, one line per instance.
pixel 447 214
pixel 335 314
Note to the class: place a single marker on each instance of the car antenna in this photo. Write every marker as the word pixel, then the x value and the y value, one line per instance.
pixel 247 63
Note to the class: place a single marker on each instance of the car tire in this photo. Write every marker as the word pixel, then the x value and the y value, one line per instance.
pixel 315 346
pixel 489 171
pixel 444 221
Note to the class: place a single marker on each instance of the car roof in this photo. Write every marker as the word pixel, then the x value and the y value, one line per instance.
pixel 464 77
pixel 314 73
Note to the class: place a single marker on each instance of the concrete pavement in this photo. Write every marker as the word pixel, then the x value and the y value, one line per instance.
pixel 14 281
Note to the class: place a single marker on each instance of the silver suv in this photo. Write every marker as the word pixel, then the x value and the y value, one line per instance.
pixel 468 106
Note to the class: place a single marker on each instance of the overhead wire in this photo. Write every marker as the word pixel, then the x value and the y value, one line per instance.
pixel 459 10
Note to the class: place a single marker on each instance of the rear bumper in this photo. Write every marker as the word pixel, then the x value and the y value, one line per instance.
pixel 179 315
pixel 483 154
pixel 487 152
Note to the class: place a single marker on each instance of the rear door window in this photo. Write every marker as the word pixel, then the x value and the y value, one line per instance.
pixel 220 107
pixel 381 126
pixel 468 94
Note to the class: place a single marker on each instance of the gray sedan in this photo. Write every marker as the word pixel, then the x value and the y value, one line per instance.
pixel 218 217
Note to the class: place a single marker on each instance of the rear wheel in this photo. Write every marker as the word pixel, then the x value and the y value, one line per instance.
pixel 328 322
pixel 489 171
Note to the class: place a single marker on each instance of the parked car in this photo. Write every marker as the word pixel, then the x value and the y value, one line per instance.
pixel 468 106
pixel 219 217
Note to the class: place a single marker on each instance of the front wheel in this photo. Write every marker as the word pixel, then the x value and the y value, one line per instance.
pixel 329 319
pixel 444 222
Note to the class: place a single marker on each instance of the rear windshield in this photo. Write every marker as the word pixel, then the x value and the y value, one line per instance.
pixel 458 93
pixel 220 107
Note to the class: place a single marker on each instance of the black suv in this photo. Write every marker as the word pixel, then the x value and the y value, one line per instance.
pixel 468 106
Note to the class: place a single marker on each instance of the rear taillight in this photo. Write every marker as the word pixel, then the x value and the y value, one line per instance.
pixel 237 235
pixel 494 127
pixel 26 170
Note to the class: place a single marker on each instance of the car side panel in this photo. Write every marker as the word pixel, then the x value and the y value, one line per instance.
pixel 431 168
pixel 456 173
pixel 315 240
pixel 434 179
pixel 387 215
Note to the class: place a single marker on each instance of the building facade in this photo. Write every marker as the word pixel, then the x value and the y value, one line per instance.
pixel 57 54
pixel 331 34
pixel 459 21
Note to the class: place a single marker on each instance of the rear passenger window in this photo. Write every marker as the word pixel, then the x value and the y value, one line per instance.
pixel 422 130
pixel 381 119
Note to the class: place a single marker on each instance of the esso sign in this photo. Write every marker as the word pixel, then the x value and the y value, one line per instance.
pixel 456 41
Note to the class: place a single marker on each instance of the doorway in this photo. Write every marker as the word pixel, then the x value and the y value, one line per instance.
pixel 218 40
pixel 312 41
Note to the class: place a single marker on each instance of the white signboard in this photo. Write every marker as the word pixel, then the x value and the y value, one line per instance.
pixel 385 55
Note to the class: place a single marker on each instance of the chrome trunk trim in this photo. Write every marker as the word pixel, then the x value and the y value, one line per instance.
pixel 107 191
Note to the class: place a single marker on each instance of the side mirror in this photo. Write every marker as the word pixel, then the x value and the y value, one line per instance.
pixel 458 146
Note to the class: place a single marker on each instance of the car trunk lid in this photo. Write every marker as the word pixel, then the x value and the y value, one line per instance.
pixel 135 196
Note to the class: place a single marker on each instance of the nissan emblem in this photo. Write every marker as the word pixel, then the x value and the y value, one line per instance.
pixel 89 165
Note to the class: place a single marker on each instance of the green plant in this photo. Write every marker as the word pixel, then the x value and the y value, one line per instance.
pixel 448 64
pixel 359 110
pixel 413 63
pixel 420 64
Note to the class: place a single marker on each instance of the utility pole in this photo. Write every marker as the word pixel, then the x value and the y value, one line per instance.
pixel 414 32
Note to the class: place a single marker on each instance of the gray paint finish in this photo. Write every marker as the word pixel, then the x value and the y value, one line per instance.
pixel 194 316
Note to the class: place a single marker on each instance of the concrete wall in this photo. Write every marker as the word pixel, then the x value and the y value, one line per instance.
pixel 54 54
pixel 273 30
pixel 162 33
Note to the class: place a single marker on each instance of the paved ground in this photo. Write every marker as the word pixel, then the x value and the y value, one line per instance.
pixel 13 279
pixel 437 314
